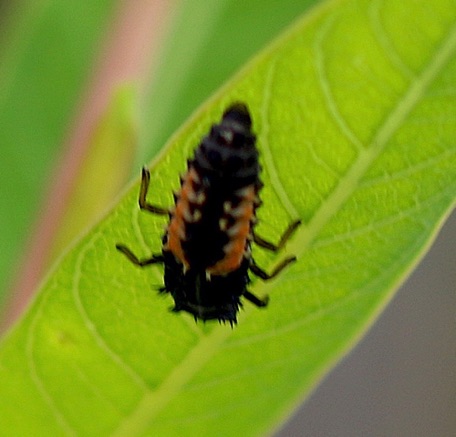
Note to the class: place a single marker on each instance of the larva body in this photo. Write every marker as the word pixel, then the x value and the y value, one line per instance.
pixel 207 244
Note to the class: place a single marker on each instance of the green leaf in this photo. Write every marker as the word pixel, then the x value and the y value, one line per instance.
pixel 354 111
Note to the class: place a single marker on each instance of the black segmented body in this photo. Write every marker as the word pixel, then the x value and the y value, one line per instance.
pixel 206 247
pixel 207 244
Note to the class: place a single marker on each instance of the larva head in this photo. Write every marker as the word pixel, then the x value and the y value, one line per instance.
pixel 229 149
pixel 238 113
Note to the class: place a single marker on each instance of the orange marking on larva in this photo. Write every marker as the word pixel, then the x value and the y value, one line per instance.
pixel 176 231
pixel 234 250
pixel 232 261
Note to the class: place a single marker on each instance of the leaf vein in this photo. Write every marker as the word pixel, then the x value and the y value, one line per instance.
pixel 276 183
pixel 384 40
pixel 351 181
pixel 90 325
pixel 325 85
pixel 34 374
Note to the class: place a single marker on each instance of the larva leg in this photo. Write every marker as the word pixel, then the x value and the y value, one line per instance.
pixel 258 271
pixel 154 259
pixel 283 239
pixel 143 204
pixel 256 300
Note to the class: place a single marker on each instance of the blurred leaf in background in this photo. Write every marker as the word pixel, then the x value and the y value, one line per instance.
pixel 47 49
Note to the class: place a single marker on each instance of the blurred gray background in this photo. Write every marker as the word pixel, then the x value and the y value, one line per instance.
pixel 401 379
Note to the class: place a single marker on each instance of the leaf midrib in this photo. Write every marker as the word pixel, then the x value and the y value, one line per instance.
pixel 154 402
